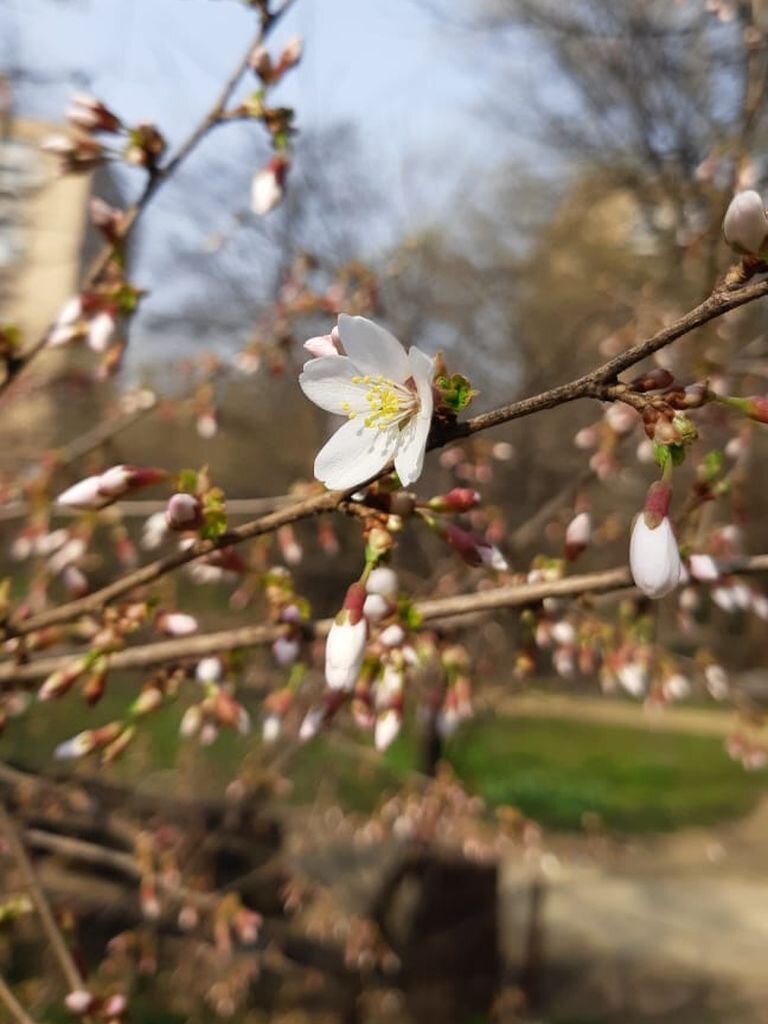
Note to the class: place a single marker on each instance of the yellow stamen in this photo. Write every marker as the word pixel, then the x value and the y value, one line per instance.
pixel 388 403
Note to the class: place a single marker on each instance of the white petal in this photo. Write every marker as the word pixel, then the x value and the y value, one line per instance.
pixel 354 454
pixel 409 459
pixel 373 349
pixel 327 381
pixel 412 443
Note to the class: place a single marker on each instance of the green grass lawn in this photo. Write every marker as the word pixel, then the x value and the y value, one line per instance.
pixel 636 780
pixel 555 771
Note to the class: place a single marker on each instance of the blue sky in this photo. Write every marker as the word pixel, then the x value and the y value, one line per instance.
pixel 385 65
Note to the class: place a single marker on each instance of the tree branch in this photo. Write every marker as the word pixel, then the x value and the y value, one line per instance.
pixel 12 1005
pixel 591 385
pixel 68 966
pixel 511 595
pixel 155 180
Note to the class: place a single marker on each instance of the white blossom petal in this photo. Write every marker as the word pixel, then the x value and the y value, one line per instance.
pixel 409 457
pixel 327 381
pixel 354 454
pixel 373 349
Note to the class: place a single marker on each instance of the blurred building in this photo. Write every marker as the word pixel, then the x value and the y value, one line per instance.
pixel 42 241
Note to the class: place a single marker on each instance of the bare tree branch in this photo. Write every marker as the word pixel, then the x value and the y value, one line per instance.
pixel 512 595
pixel 155 180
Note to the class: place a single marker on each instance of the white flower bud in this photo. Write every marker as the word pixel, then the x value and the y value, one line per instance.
pixel 154 531
pixel 392 636
pixel 578 534
pixel 382 581
pixel 311 725
pixel 344 653
pixel 176 623
pixel 85 494
pixel 654 559
pixel 78 1001
pixel 271 728
pixel 704 568
pixel 376 607
pixel 209 670
pixel 387 728
pixel 286 650
pixel 745 225
pixel 100 331
pixel 267 187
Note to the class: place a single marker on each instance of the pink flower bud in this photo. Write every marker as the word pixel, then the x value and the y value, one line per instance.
pixel 745 225
pixel 458 501
pixel 286 650
pixel 184 512
pixel 324 344
pixel 292 53
pixel 115 1006
pixel 261 62
pixel 756 408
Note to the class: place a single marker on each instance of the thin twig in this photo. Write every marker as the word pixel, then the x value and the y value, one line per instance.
pixel 68 966
pixel 140 508
pixel 12 1005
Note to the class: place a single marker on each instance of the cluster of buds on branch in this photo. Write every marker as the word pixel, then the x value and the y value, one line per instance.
pixel 268 186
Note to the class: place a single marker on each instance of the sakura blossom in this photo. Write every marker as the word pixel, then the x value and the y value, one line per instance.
pixel 386 395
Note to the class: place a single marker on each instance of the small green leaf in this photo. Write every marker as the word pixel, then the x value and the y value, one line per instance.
pixel 215 515
pixel 711 466
pixel 187 482
pixel 456 391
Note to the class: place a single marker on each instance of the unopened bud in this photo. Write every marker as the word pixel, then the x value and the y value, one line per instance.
pixel 654 380
pixel 745 225
pixel 184 512
pixel 459 500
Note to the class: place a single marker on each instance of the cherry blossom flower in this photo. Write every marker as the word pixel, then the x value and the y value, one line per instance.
pixel 386 394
